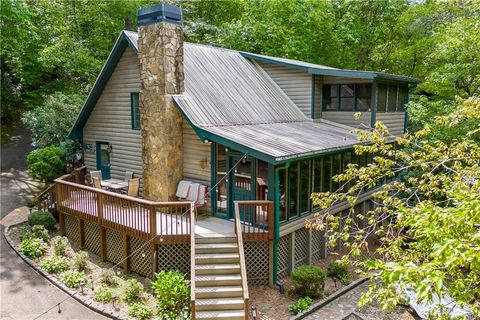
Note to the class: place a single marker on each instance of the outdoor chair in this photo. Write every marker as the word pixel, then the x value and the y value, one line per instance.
pixel 96 173
pixel 128 176
pixel 96 182
pixel 133 187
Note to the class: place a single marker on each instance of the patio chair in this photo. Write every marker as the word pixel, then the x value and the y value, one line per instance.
pixel 96 173
pixel 96 182
pixel 128 176
pixel 133 187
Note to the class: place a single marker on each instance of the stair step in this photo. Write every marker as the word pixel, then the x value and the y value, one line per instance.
pixel 217 280
pixel 224 268
pixel 216 238
pixel 216 247
pixel 218 292
pixel 214 304
pixel 221 315
pixel 210 258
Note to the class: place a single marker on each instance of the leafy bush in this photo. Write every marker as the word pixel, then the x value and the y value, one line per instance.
pixel 132 291
pixel 103 294
pixel 42 218
pixel 308 281
pixel 60 245
pixel 172 292
pixel 54 264
pixel 140 311
pixel 80 260
pixel 39 232
pixel 73 278
pixel 47 164
pixel 108 277
pixel 338 271
pixel 301 305
pixel 32 247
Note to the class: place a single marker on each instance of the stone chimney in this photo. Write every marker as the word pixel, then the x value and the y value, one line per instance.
pixel 160 51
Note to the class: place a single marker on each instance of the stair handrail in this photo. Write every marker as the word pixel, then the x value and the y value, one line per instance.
pixel 39 198
pixel 241 254
pixel 192 261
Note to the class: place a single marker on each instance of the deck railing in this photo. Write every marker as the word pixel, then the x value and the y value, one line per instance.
pixel 256 219
pixel 243 267
pixel 192 265
pixel 144 219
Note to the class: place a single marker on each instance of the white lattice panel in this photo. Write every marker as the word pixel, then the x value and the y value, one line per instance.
pixel 301 247
pixel 92 237
pixel 72 230
pixel 140 261
pixel 174 256
pixel 318 245
pixel 114 245
pixel 257 261
pixel 282 257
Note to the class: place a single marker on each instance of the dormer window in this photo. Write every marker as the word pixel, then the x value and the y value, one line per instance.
pixel 347 97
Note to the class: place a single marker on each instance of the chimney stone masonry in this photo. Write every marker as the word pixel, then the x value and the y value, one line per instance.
pixel 160 51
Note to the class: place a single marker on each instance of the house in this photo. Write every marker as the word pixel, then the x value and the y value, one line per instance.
pixel 248 126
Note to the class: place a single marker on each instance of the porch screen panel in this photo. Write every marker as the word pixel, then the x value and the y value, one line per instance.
pixel 401 97
pixel 282 190
pixel 293 191
pixel 304 192
pixel 347 93
pixel 392 98
pixel 336 169
pixel 327 174
pixel 382 98
pixel 317 175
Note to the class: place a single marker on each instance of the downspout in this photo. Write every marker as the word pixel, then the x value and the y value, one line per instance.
pixel 277 219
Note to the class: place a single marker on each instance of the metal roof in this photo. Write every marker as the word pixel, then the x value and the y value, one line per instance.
pixel 328 71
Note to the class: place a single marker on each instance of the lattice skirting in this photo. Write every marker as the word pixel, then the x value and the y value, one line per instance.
pixel 283 264
pixel 92 237
pixel 257 262
pixel 301 247
pixel 72 229
pixel 114 245
pixel 140 261
pixel 174 256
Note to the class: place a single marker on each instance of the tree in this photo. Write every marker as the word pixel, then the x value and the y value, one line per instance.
pixel 427 218
pixel 47 164
pixel 51 122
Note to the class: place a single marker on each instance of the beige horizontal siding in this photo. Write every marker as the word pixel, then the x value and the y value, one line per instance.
pixel 395 121
pixel 110 120
pixel 347 118
pixel 296 84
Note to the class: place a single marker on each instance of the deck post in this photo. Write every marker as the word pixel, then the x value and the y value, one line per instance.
pixel 153 244
pixel 61 215
pixel 103 240
pixel 270 263
pixel 309 246
pixel 81 230
pixel 126 253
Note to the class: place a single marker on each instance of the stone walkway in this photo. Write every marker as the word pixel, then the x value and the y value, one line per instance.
pixel 340 307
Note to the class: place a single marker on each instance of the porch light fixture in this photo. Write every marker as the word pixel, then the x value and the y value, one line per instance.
pixel 186 312
pixel 114 298
pixel 254 313
pixel 110 147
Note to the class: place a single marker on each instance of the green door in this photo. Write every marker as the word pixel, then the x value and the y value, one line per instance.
pixel 241 181
pixel 103 159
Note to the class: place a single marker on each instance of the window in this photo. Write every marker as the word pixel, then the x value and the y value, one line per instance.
pixel 282 188
pixel 304 192
pixel 392 98
pixel 293 190
pixel 382 98
pixel 327 174
pixel 347 97
pixel 135 111
pixel 401 97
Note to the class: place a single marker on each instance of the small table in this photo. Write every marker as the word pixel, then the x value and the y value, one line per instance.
pixel 114 184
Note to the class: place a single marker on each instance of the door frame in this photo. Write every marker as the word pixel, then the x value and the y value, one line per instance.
pixel 98 159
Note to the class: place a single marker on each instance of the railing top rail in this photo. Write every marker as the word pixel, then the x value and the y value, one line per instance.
pixel 241 253
pixel 50 187
pixel 125 197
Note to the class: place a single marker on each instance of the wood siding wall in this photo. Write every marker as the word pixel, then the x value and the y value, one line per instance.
pixel 395 121
pixel 110 120
pixel 296 84
pixel 346 118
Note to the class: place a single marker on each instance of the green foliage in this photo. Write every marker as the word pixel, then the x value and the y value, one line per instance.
pixel 32 247
pixel 308 280
pixel 73 278
pixel 42 218
pixel 108 277
pixel 80 260
pixel 172 292
pixel 47 127
pixel 54 264
pixel 132 291
pixel 38 231
pixel 427 220
pixel 339 271
pixel 140 311
pixel 47 164
pixel 301 305
pixel 60 245
pixel 103 294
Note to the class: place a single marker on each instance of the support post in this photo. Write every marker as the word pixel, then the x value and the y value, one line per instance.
pixel 309 246
pixel 81 230
pixel 103 243
pixel 61 222
pixel 154 255
pixel 270 264
pixel 126 253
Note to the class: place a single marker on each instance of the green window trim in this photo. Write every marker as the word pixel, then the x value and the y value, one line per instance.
pixel 135 110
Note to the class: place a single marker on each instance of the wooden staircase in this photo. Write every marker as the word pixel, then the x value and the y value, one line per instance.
pixel 219 290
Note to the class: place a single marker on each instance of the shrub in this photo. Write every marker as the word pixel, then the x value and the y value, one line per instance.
pixel 132 291
pixel 42 218
pixel 172 292
pixel 39 232
pixel 47 164
pixel 338 271
pixel 103 294
pixel 80 260
pixel 308 281
pixel 54 264
pixel 108 277
pixel 301 305
pixel 60 245
pixel 140 311
pixel 32 247
pixel 73 278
